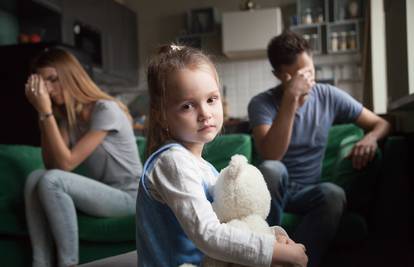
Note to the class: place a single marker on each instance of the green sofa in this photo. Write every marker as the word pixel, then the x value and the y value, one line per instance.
pixel 103 237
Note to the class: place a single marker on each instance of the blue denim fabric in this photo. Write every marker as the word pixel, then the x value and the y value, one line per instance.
pixel 320 204
pixel 51 199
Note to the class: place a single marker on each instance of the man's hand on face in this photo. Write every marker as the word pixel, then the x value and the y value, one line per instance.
pixel 301 83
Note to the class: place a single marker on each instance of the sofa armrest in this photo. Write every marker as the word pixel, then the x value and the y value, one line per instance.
pixel 343 173
pixel 16 163
pixel 359 185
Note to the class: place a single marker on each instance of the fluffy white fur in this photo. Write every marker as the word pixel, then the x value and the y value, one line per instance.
pixel 241 199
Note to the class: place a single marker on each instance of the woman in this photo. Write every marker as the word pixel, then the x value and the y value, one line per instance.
pixel 79 124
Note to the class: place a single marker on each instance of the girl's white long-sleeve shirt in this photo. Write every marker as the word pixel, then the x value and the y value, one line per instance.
pixel 179 179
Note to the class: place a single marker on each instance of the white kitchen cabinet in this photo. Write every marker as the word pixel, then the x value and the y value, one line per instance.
pixel 247 33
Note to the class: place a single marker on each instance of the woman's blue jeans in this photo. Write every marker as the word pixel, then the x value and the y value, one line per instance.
pixel 320 204
pixel 51 199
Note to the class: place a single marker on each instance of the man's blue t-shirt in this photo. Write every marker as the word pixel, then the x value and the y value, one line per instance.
pixel 326 105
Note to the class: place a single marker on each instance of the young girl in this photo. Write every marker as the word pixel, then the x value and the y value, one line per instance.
pixel 175 220
pixel 79 124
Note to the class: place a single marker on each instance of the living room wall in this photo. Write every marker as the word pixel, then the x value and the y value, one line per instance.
pixel 9 27
pixel 162 21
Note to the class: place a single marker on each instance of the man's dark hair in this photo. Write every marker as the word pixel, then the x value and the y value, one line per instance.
pixel 283 49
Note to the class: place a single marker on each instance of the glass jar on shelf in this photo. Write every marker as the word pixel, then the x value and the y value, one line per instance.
pixel 342 41
pixel 353 8
pixel 319 15
pixel 334 41
pixel 352 42
pixel 307 16
pixel 307 38
pixel 314 44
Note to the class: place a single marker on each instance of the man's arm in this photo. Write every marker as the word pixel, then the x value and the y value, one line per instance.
pixel 376 128
pixel 272 141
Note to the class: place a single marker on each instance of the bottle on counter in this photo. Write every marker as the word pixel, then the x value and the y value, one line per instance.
pixel 342 41
pixel 334 41
pixel 319 15
pixel 353 8
pixel 314 44
pixel 308 39
pixel 352 42
pixel 307 16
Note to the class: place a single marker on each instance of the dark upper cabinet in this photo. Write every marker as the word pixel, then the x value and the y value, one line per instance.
pixel 117 27
pixel 55 5
pixel 89 12
pixel 122 41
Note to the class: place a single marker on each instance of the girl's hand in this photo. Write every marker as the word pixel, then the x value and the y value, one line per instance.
pixel 37 94
pixel 281 235
pixel 284 240
pixel 292 254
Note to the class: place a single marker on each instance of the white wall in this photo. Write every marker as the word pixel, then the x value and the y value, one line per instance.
pixel 378 62
pixel 244 79
pixel 160 21
pixel 410 43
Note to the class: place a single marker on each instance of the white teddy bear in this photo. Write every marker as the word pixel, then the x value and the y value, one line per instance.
pixel 242 200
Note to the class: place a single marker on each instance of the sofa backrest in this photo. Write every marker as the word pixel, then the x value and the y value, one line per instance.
pixel 219 151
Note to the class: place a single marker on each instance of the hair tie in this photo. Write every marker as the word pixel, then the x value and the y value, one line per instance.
pixel 175 47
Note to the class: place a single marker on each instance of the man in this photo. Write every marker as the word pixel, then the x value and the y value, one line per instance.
pixel 290 126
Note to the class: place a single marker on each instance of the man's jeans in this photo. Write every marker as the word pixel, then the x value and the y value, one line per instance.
pixel 320 204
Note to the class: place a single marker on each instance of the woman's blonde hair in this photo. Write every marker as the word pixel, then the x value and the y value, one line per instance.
pixel 168 60
pixel 77 87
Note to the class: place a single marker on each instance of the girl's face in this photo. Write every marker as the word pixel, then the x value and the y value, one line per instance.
pixel 51 79
pixel 194 109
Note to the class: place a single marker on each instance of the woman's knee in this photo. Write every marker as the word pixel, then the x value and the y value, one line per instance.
pixel 51 181
pixel 32 180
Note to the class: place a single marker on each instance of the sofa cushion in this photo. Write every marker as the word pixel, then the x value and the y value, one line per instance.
pixel 113 229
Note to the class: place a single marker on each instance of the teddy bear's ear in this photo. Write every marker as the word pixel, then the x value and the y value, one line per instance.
pixel 236 165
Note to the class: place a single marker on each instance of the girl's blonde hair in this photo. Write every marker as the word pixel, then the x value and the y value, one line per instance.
pixel 77 87
pixel 168 60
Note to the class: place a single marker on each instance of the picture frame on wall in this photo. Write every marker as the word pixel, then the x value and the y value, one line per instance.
pixel 201 20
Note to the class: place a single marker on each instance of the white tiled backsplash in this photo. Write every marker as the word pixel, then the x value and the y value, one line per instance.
pixel 244 79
